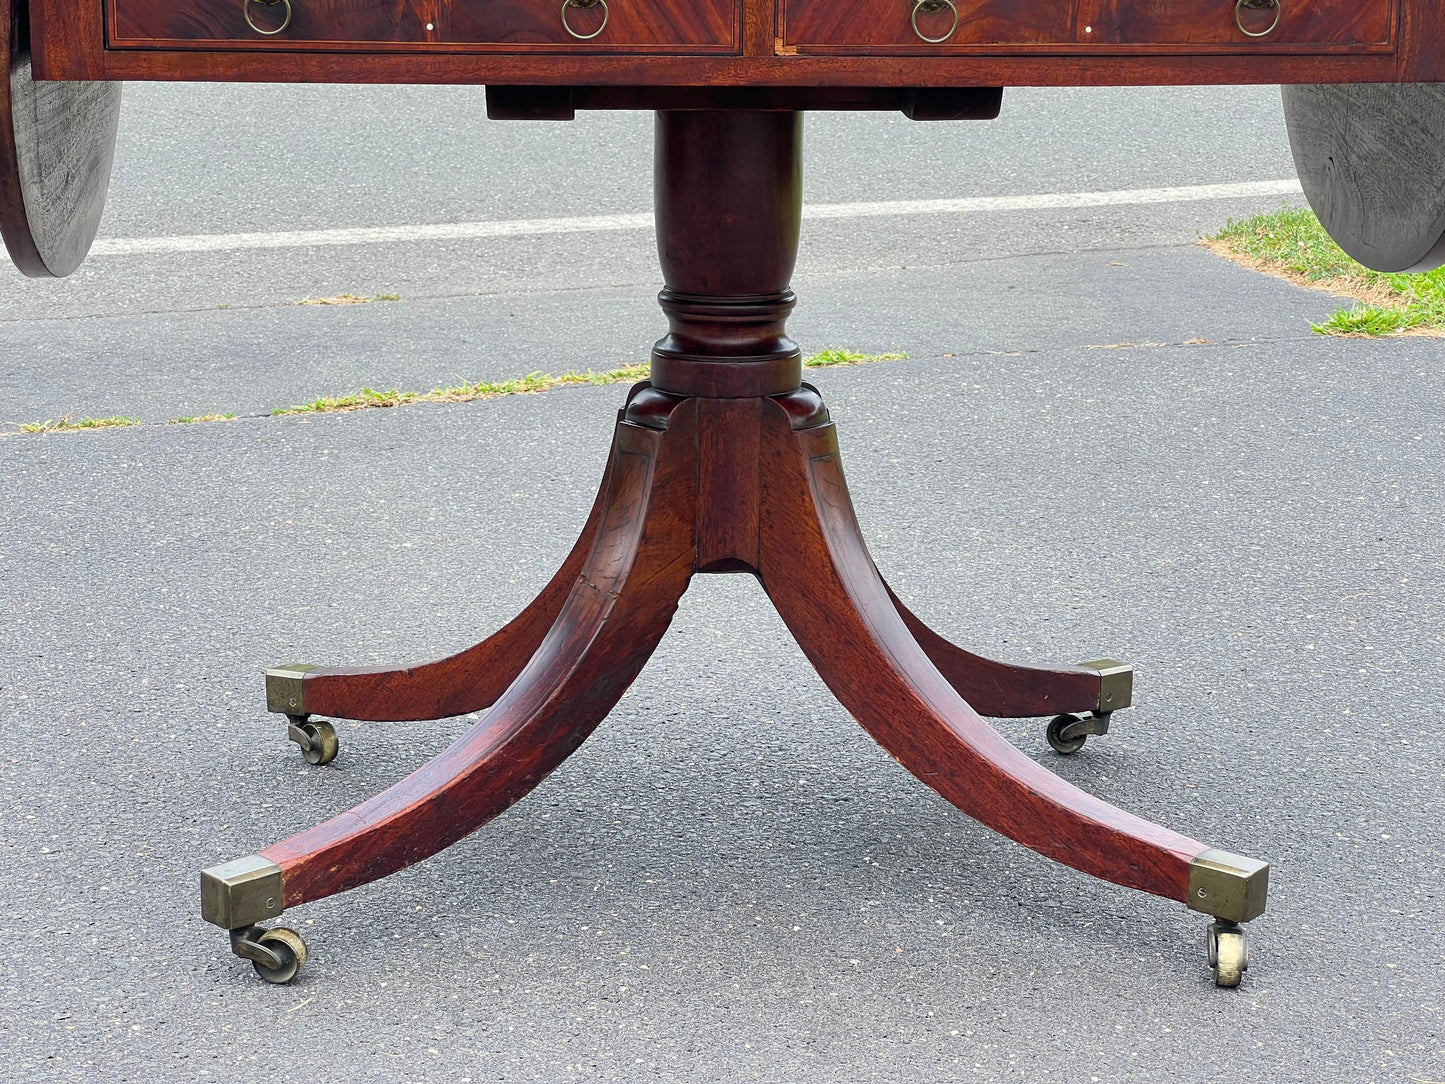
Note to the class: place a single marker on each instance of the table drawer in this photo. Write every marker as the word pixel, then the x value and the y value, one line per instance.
pixel 943 26
pixel 838 25
pixel 1337 23
pixel 427 25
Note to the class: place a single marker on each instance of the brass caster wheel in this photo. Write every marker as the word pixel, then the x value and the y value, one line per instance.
pixel 317 740
pixel 276 954
pixel 1059 725
pixel 290 950
pixel 1228 953
pixel 1067 733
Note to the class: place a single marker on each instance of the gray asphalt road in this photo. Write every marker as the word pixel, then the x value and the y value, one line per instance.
pixel 729 882
pixel 200 159
pixel 243 159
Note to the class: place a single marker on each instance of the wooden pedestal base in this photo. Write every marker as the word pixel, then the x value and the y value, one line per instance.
pixel 724 462
pixel 676 501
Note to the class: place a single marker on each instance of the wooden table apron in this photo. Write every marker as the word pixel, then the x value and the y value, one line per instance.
pixel 735 43
pixel 724 461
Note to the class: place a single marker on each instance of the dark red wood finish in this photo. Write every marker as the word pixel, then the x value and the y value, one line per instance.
pixel 1003 690
pixel 1150 42
pixel 727 297
pixel 737 485
pixel 737 482
pixel 1421 43
pixel 1325 24
pixel 522 25
pixel 1008 26
pixel 1004 24
pixel 817 571
pixel 615 613
pixel 465 682
pixel 497 25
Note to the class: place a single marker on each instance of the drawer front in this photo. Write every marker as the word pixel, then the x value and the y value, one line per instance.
pixel 504 26
pixel 1165 26
pixel 1339 23
pixel 840 25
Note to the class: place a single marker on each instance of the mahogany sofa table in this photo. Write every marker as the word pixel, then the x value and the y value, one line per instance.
pixel 724 461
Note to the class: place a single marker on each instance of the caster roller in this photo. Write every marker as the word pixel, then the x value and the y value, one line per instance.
pixel 1067 733
pixel 288 947
pixel 1061 744
pixel 277 954
pixel 317 740
pixel 1228 953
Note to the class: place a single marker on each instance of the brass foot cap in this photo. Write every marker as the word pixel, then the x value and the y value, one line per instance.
pixel 1228 886
pixel 283 688
pixel 1116 683
pixel 241 893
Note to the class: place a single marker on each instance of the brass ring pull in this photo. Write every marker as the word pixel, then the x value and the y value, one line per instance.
pixel 246 11
pixel 929 7
pixel 1240 5
pixel 606 14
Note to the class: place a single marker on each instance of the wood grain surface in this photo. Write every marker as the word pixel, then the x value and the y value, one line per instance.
pixel 57 146
pixel 465 682
pixel 71 44
pixel 1421 44
pixel 1003 690
pixel 14 225
pixel 614 615
pixel 824 26
pixel 507 25
pixel 744 485
pixel 877 23
pixel 1212 22
pixel 728 199
pixel 1371 160
pixel 817 571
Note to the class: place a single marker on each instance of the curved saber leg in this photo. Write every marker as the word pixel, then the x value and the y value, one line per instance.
pixel 467 681
pixel 1009 691
pixel 818 573
pixel 609 625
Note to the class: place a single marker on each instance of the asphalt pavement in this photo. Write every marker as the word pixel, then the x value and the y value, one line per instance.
pixel 1104 441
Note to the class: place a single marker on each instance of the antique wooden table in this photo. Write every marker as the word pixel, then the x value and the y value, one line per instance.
pixel 724 461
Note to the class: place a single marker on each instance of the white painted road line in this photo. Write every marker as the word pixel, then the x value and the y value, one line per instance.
pixel 368 235
pixel 1124 197
pixel 536 227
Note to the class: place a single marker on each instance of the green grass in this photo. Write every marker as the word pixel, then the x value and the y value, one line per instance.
pixel 76 425
pixel 1291 244
pixel 360 400
pixel 369 398
pixel 191 419
pixel 826 359
pixel 531 384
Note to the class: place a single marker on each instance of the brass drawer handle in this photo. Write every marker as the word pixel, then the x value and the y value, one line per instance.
pixel 1257 5
pixel 606 14
pixel 246 11
pixel 929 7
